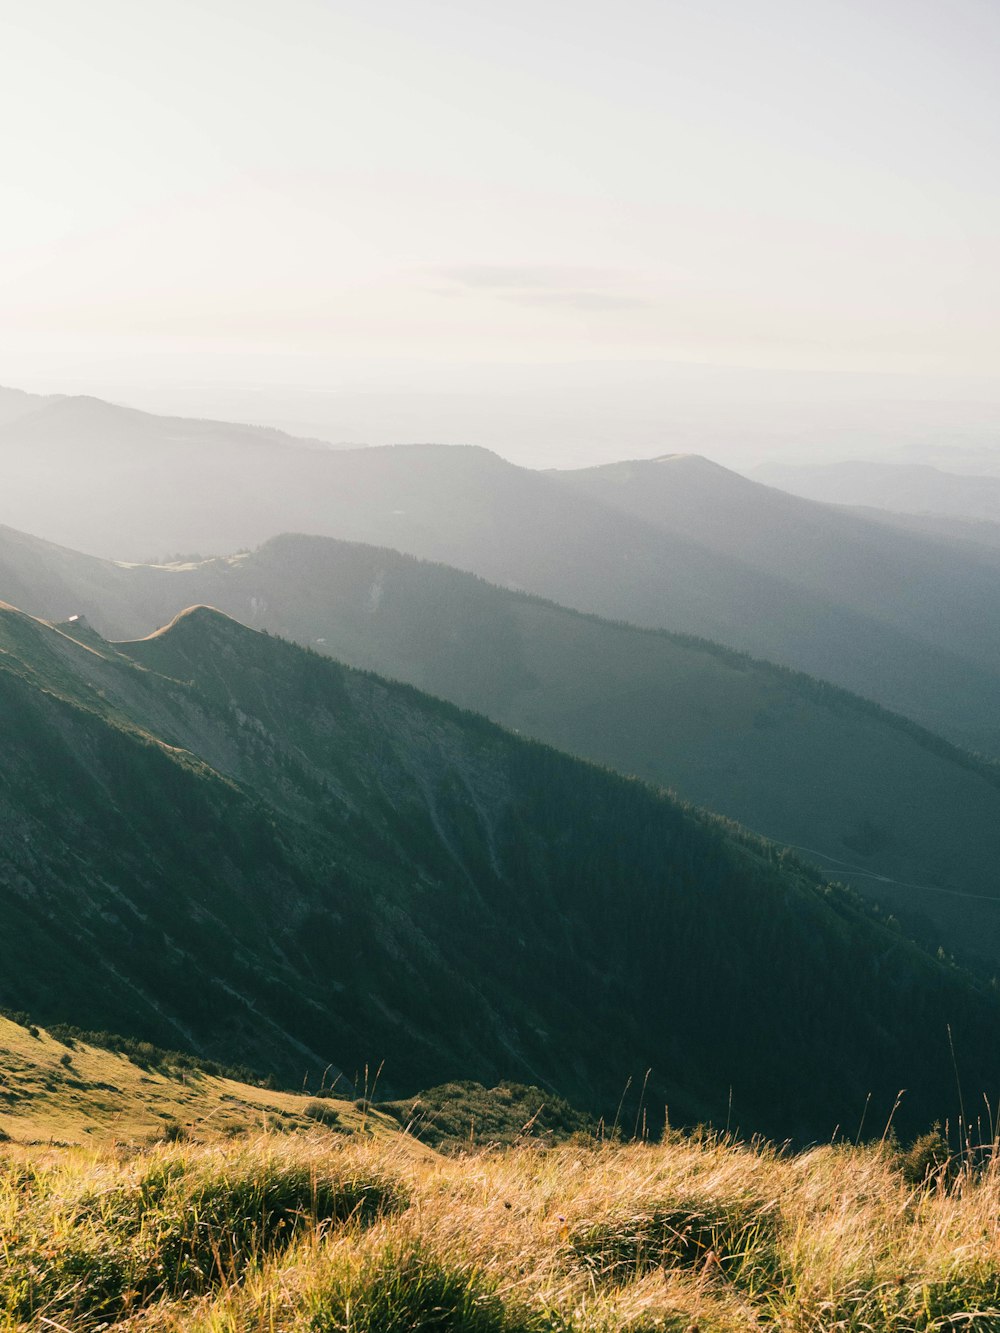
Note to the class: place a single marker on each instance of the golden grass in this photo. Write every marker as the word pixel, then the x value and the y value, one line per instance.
pixel 50 1092
pixel 327 1233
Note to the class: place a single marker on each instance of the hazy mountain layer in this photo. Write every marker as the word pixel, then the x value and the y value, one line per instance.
pixel 127 484
pixel 677 544
pixel 912 488
pixel 942 597
pixel 16 403
pixel 981 535
pixel 214 835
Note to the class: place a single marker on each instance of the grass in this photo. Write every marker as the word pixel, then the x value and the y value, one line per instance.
pixel 320 1232
pixel 67 1091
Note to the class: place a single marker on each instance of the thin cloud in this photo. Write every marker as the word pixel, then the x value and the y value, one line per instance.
pixel 582 300
pixel 546 285
pixel 552 276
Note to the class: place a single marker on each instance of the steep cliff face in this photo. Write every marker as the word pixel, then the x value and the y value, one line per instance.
pixel 213 837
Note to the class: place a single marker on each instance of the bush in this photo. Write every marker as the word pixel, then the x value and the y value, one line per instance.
pixel 464 1115
pixel 322 1113
pixel 926 1157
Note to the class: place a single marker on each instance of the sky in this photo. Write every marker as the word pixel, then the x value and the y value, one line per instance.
pixel 439 219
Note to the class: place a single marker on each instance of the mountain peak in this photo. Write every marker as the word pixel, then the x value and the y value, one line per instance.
pixel 198 618
pixel 631 468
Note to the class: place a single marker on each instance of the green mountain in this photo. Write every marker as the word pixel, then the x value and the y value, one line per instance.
pixel 216 838
pixel 874 800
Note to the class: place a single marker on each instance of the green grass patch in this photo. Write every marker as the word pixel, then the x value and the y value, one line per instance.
pixel 407 1288
pixel 179 1227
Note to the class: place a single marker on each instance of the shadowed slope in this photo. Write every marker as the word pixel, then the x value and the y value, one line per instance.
pixel 872 797
pixel 214 833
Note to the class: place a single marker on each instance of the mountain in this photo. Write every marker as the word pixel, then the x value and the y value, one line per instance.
pixel 673 543
pixel 909 488
pixel 896 812
pixel 879 802
pixel 982 536
pixel 214 838
pixel 913 586
pixel 119 482
pixel 15 403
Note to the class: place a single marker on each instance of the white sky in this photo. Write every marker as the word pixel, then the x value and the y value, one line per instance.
pixel 331 193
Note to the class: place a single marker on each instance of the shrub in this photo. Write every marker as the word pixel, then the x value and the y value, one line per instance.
pixel 322 1113
pixel 926 1157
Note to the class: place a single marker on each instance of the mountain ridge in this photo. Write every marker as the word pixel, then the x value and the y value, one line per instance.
pixel 896 811
pixel 356 865
pixel 921 489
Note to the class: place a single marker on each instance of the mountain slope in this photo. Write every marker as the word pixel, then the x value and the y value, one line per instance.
pixel 910 488
pixel 15 403
pixel 789 756
pixel 939 597
pixel 118 482
pixel 979 537
pixel 872 798
pixel 212 834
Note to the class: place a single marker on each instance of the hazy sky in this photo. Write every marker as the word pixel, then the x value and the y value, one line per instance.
pixel 334 195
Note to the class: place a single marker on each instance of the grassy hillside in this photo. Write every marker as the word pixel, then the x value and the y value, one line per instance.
pixel 216 840
pixel 323 1234
pixel 61 1088
pixel 66 1087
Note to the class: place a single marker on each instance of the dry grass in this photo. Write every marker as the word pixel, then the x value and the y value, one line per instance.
pixel 324 1233
pixel 80 1094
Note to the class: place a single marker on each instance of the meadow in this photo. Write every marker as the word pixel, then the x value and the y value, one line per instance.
pixel 323 1231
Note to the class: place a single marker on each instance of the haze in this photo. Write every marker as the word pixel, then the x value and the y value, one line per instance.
pixel 570 232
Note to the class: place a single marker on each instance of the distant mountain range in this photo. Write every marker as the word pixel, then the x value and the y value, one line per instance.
pixel 214 836
pixel 119 481
pixel 907 619
pixel 869 796
pixel 909 488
